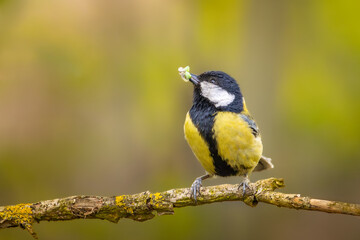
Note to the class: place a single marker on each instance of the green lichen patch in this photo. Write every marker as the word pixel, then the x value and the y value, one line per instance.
pixel 57 209
pixel 269 184
pixel 159 203
pixel 109 213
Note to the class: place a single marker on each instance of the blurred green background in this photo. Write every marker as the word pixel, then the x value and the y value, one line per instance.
pixel 91 103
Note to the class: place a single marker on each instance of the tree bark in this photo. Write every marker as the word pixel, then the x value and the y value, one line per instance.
pixel 144 206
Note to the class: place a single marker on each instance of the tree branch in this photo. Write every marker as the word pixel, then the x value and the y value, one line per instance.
pixel 144 206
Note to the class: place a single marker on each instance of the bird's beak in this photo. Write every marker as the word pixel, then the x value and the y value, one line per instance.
pixel 194 79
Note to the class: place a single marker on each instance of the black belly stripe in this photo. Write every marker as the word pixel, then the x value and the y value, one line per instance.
pixel 204 119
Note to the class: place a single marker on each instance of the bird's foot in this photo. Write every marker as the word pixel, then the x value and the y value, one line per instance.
pixel 195 188
pixel 245 184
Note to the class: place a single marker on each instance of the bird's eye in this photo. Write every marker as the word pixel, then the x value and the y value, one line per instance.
pixel 212 80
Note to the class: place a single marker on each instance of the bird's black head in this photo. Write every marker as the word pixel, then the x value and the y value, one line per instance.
pixel 218 89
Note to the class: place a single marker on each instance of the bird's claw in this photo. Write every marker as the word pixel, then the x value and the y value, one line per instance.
pixel 245 185
pixel 195 188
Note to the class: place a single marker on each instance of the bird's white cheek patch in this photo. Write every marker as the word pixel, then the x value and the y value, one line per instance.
pixel 217 95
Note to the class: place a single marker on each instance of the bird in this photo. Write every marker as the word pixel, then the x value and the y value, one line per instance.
pixel 220 130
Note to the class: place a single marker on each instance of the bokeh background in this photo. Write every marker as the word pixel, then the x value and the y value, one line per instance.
pixel 91 103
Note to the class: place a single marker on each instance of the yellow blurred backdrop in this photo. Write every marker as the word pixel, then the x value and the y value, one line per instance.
pixel 91 103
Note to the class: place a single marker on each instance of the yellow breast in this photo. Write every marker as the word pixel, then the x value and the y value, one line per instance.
pixel 198 145
pixel 236 143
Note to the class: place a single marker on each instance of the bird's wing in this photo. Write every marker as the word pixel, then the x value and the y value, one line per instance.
pixel 264 162
pixel 250 121
pixel 236 143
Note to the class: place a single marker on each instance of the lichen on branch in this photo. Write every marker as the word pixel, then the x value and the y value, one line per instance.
pixel 19 215
pixel 146 205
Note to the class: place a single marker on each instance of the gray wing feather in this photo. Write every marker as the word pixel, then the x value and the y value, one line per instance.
pixel 252 124
pixel 264 162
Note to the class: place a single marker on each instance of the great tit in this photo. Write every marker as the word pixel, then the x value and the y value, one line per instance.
pixel 220 130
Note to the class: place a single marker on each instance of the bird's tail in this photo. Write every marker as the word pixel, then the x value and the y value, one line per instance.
pixel 264 163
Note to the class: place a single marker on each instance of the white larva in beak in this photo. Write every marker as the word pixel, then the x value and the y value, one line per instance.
pixel 185 73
